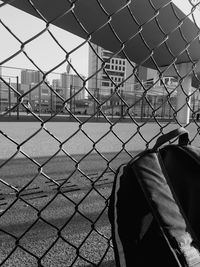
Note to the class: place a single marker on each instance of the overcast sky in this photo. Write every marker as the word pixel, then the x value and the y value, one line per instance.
pixel 44 51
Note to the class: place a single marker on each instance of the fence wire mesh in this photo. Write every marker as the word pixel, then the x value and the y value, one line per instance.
pixel 62 139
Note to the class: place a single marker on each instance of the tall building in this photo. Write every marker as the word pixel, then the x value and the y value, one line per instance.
pixel 115 71
pixel 30 76
pixel 65 84
pixel 56 83
pixel 71 84
pixel 77 86
pixel 7 96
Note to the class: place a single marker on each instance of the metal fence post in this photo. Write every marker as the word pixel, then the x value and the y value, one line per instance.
pixel 9 97
pixel 71 88
pixel 39 92
pixel 17 79
pixel 183 94
pixel 183 98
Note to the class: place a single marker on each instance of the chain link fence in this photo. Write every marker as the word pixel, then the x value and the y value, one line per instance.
pixel 63 135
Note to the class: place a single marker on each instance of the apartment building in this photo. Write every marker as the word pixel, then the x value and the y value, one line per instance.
pixel 72 84
pixel 30 76
pixel 116 73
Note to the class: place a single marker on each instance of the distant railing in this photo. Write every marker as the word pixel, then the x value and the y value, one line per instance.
pixel 45 102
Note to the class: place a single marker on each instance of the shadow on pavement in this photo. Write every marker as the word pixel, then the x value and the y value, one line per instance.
pixel 104 264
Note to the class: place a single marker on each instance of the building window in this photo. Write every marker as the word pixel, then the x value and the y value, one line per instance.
pixel 4 89
pixel 107 54
pixel 150 82
pixel 45 91
pixel 105 84
pixel 115 73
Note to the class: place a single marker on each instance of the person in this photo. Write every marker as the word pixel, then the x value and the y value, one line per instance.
pixel 29 108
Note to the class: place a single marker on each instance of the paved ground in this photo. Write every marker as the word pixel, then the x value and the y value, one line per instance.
pixel 59 234
pixel 65 137
pixel 73 222
pixel 62 229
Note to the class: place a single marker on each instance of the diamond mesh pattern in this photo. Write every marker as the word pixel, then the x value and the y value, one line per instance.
pixel 57 174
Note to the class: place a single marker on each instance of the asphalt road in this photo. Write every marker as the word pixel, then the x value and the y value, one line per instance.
pixel 20 171
pixel 46 226
pixel 61 232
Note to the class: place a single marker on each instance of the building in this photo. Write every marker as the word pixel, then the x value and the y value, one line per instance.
pixel 7 96
pixel 76 85
pixel 56 83
pixel 40 97
pixel 70 88
pixel 71 84
pixel 30 76
pixel 117 72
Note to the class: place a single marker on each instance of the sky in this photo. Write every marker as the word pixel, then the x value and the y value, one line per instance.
pixel 185 6
pixel 44 51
